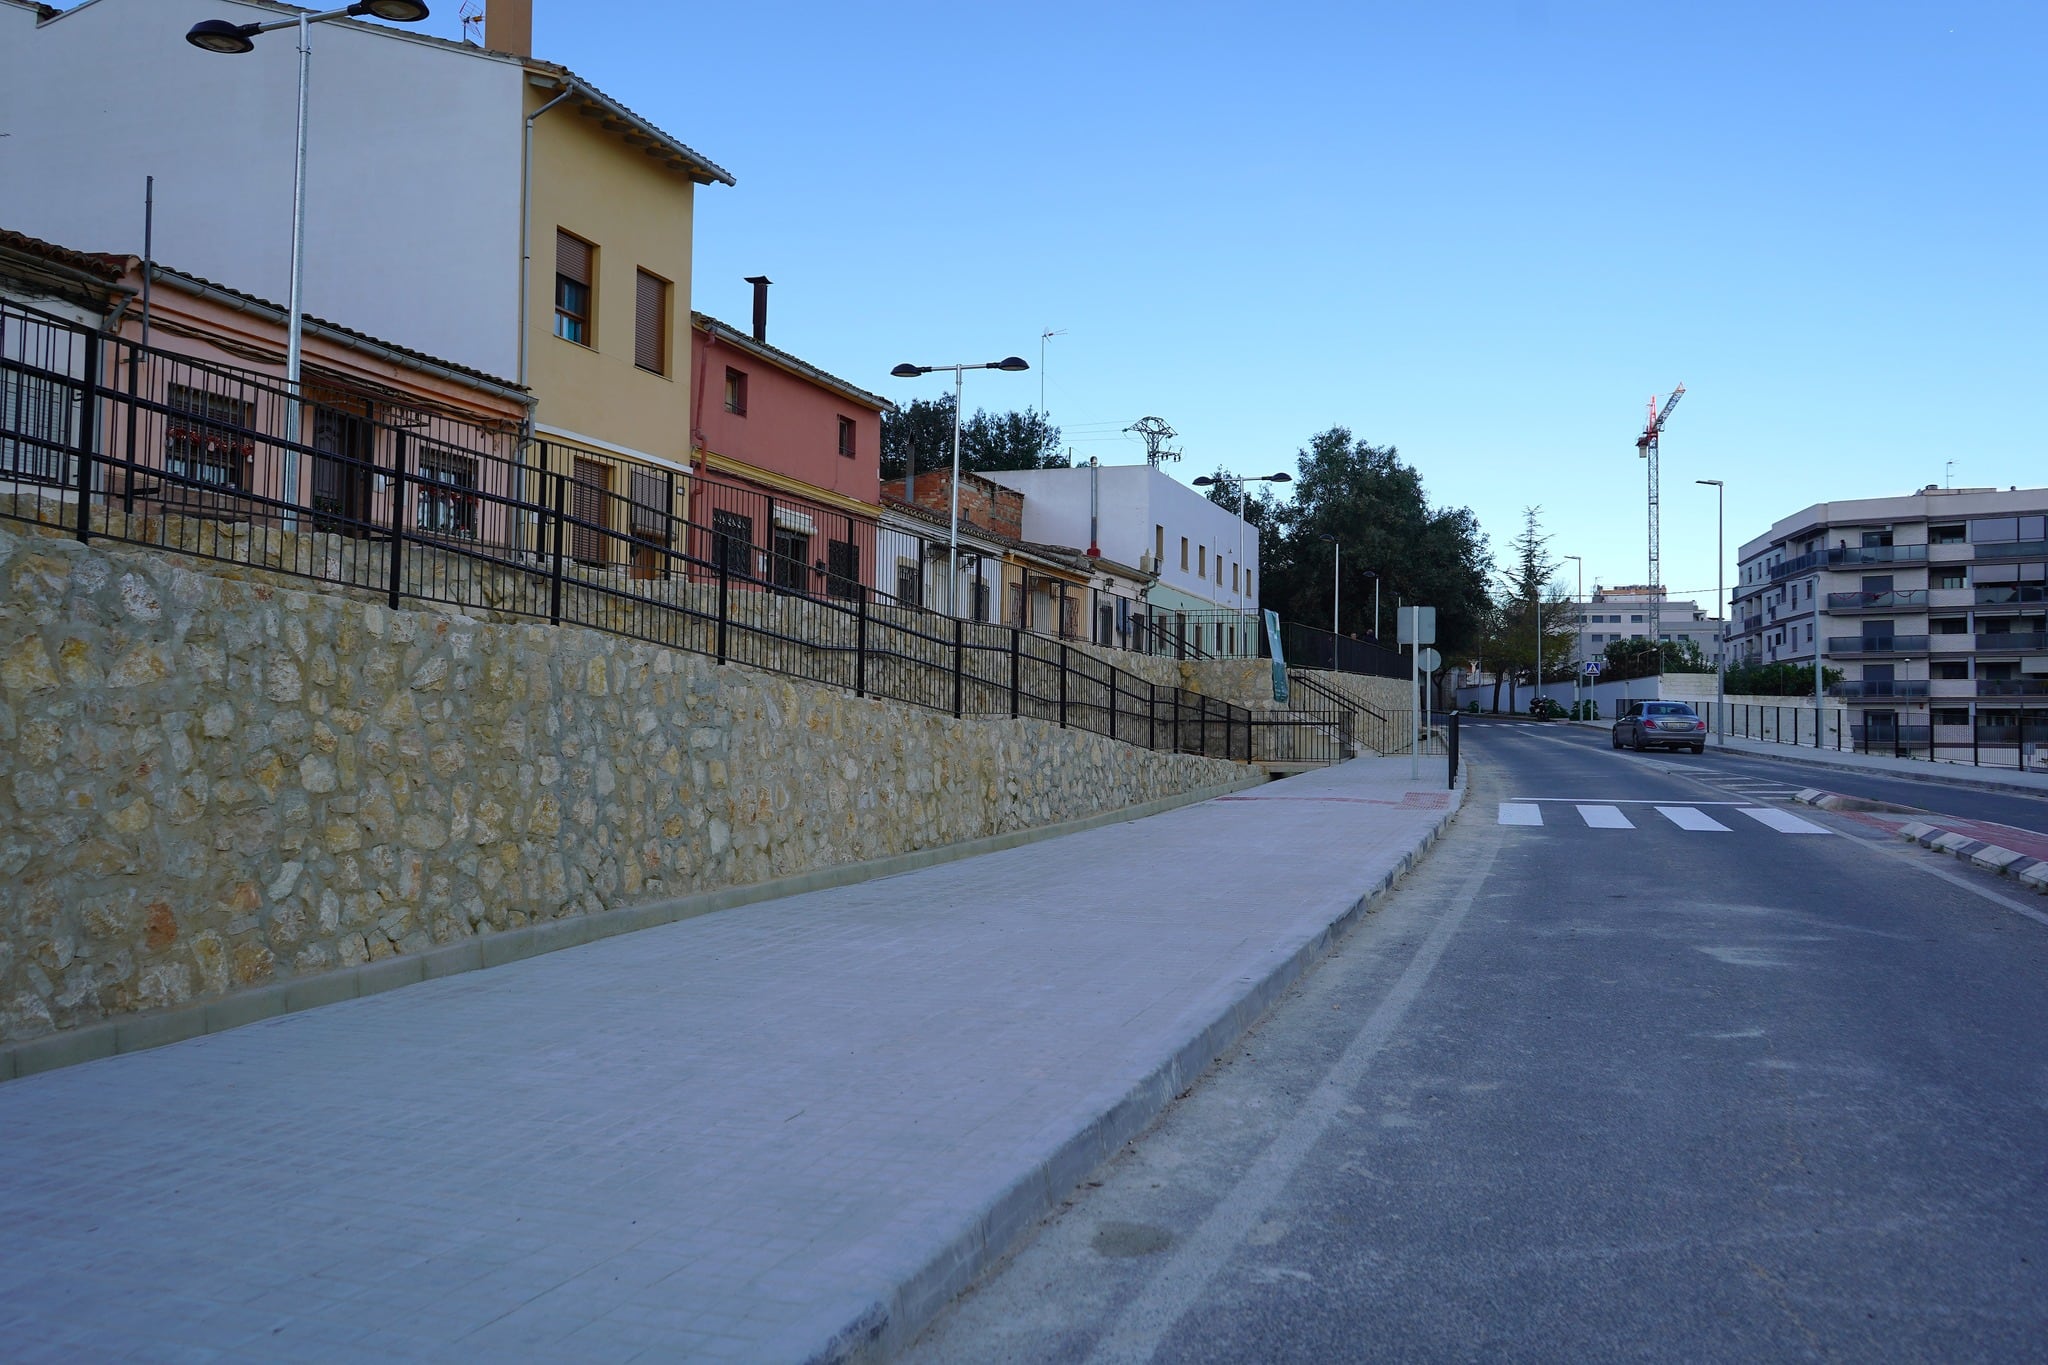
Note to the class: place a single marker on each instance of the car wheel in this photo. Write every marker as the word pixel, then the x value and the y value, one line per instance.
pixel 1639 746
pixel 1616 739
pixel 1699 748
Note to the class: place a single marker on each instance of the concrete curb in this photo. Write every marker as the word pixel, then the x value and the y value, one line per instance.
pixel 2024 868
pixel 1826 800
pixel 136 1033
pixel 886 1329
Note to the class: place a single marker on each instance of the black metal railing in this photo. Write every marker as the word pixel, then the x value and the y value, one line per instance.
pixel 104 438
pixel 1308 647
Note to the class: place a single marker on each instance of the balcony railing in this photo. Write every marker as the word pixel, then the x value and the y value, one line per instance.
pixel 2013 549
pixel 1910 599
pixel 2012 687
pixel 2012 642
pixel 1844 556
pixel 1752 624
pixel 2010 594
pixel 1881 644
pixel 1869 688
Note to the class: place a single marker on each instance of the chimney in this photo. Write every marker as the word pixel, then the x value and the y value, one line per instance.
pixel 760 283
pixel 508 27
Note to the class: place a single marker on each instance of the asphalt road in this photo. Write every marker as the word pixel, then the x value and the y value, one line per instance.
pixel 1600 1086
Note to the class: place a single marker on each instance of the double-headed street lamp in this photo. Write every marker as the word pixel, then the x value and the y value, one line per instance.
pixel 1721 647
pixel 1011 364
pixel 1206 482
pixel 219 35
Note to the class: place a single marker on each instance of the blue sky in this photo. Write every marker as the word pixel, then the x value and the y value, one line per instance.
pixel 1484 233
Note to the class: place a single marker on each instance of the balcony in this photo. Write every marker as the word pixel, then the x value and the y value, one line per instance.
pixel 1872 689
pixel 1950 642
pixel 1872 645
pixel 1953 688
pixel 2014 549
pixel 2012 687
pixel 2010 595
pixel 2012 642
pixel 1953 552
pixel 1899 599
pixel 1950 597
pixel 1751 625
pixel 1849 557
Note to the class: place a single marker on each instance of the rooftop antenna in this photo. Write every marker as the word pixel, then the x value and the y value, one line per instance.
pixel 472 12
pixel 1948 480
pixel 1156 434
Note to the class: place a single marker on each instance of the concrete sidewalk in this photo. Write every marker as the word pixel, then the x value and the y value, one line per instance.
pixel 788 1131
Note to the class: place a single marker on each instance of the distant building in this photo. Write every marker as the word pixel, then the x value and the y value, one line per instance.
pixel 1933 605
pixel 1623 613
pixel 1207 566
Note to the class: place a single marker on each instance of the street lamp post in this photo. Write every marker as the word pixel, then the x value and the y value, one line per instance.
pixel 1336 575
pixel 1010 364
pixel 1578 665
pixel 1374 575
pixel 219 35
pixel 1721 649
pixel 1205 481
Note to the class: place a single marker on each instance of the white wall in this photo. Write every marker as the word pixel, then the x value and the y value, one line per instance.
pixel 412 211
pixel 1132 500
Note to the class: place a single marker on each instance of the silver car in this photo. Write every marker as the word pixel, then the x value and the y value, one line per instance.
pixel 1660 725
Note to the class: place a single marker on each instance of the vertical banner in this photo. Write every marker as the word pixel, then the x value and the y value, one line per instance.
pixel 1279 664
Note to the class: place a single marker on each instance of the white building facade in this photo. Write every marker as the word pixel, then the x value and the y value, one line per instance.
pixel 1623 613
pixel 1934 607
pixel 1207 562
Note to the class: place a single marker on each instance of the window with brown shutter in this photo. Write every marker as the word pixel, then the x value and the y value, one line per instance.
pixel 591 511
pixel 650 322
pixel 574 272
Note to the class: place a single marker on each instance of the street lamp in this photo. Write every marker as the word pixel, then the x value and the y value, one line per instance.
pixel 1010 364
pixel 1721 649
pixel 1577 664
pixel 1374 575
pixel 1205 482
pixel 1336 567
pixel 218 35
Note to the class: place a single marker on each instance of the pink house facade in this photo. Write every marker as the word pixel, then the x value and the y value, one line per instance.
pixel 786 463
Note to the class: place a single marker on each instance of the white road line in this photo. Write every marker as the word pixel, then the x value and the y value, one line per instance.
pixel 1685 817
pixel 1604 817
pixel 1783 821
pixel 1520 813
pixel 1621 800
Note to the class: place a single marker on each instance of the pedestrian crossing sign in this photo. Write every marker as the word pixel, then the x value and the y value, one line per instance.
pixel 1593 667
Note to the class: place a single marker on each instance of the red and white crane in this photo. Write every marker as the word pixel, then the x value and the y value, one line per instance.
pixel 1646 447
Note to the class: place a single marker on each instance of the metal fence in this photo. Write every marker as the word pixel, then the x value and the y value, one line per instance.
pixel 1308 647
pixel 2016 738
pixel 101 437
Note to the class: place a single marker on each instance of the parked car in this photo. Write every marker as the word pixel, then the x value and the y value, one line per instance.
pixel 1660 725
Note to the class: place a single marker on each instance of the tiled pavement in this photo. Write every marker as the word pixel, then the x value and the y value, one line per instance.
pixel 767 1134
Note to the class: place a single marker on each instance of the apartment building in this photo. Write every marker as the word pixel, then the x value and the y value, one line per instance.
pixel 1623 613
pixel 1931 605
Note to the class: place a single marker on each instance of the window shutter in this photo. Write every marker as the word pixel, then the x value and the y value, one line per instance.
pixel 650 323
pixel 572 258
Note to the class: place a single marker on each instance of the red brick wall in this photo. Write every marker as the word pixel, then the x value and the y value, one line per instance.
pixel 982 501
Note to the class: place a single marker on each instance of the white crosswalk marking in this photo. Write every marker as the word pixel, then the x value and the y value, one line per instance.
pixel 1784 821
pixel 1685 817
pixel 1520 813
pixel 1604 817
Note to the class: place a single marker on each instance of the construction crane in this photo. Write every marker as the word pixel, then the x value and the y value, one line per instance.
pixel 1646 448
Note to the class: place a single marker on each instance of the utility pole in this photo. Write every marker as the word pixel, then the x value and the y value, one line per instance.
pixel 1646 447
pixel 1155 434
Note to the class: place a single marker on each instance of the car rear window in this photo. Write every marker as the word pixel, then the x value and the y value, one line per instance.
pixel 1670 708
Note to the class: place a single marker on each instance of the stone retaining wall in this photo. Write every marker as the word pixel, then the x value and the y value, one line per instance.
pixel 210 779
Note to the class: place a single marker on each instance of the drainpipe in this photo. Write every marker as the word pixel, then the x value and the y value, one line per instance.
pixel 526 221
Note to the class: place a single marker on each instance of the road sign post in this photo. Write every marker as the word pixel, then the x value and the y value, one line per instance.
pixel 1417 627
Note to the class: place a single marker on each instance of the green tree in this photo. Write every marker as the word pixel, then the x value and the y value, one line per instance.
pixel 923 430
pixel 1375 506
pixel 1527 585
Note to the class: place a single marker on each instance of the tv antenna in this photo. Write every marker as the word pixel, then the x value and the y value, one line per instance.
pixel 1156 434
pixel 472 12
